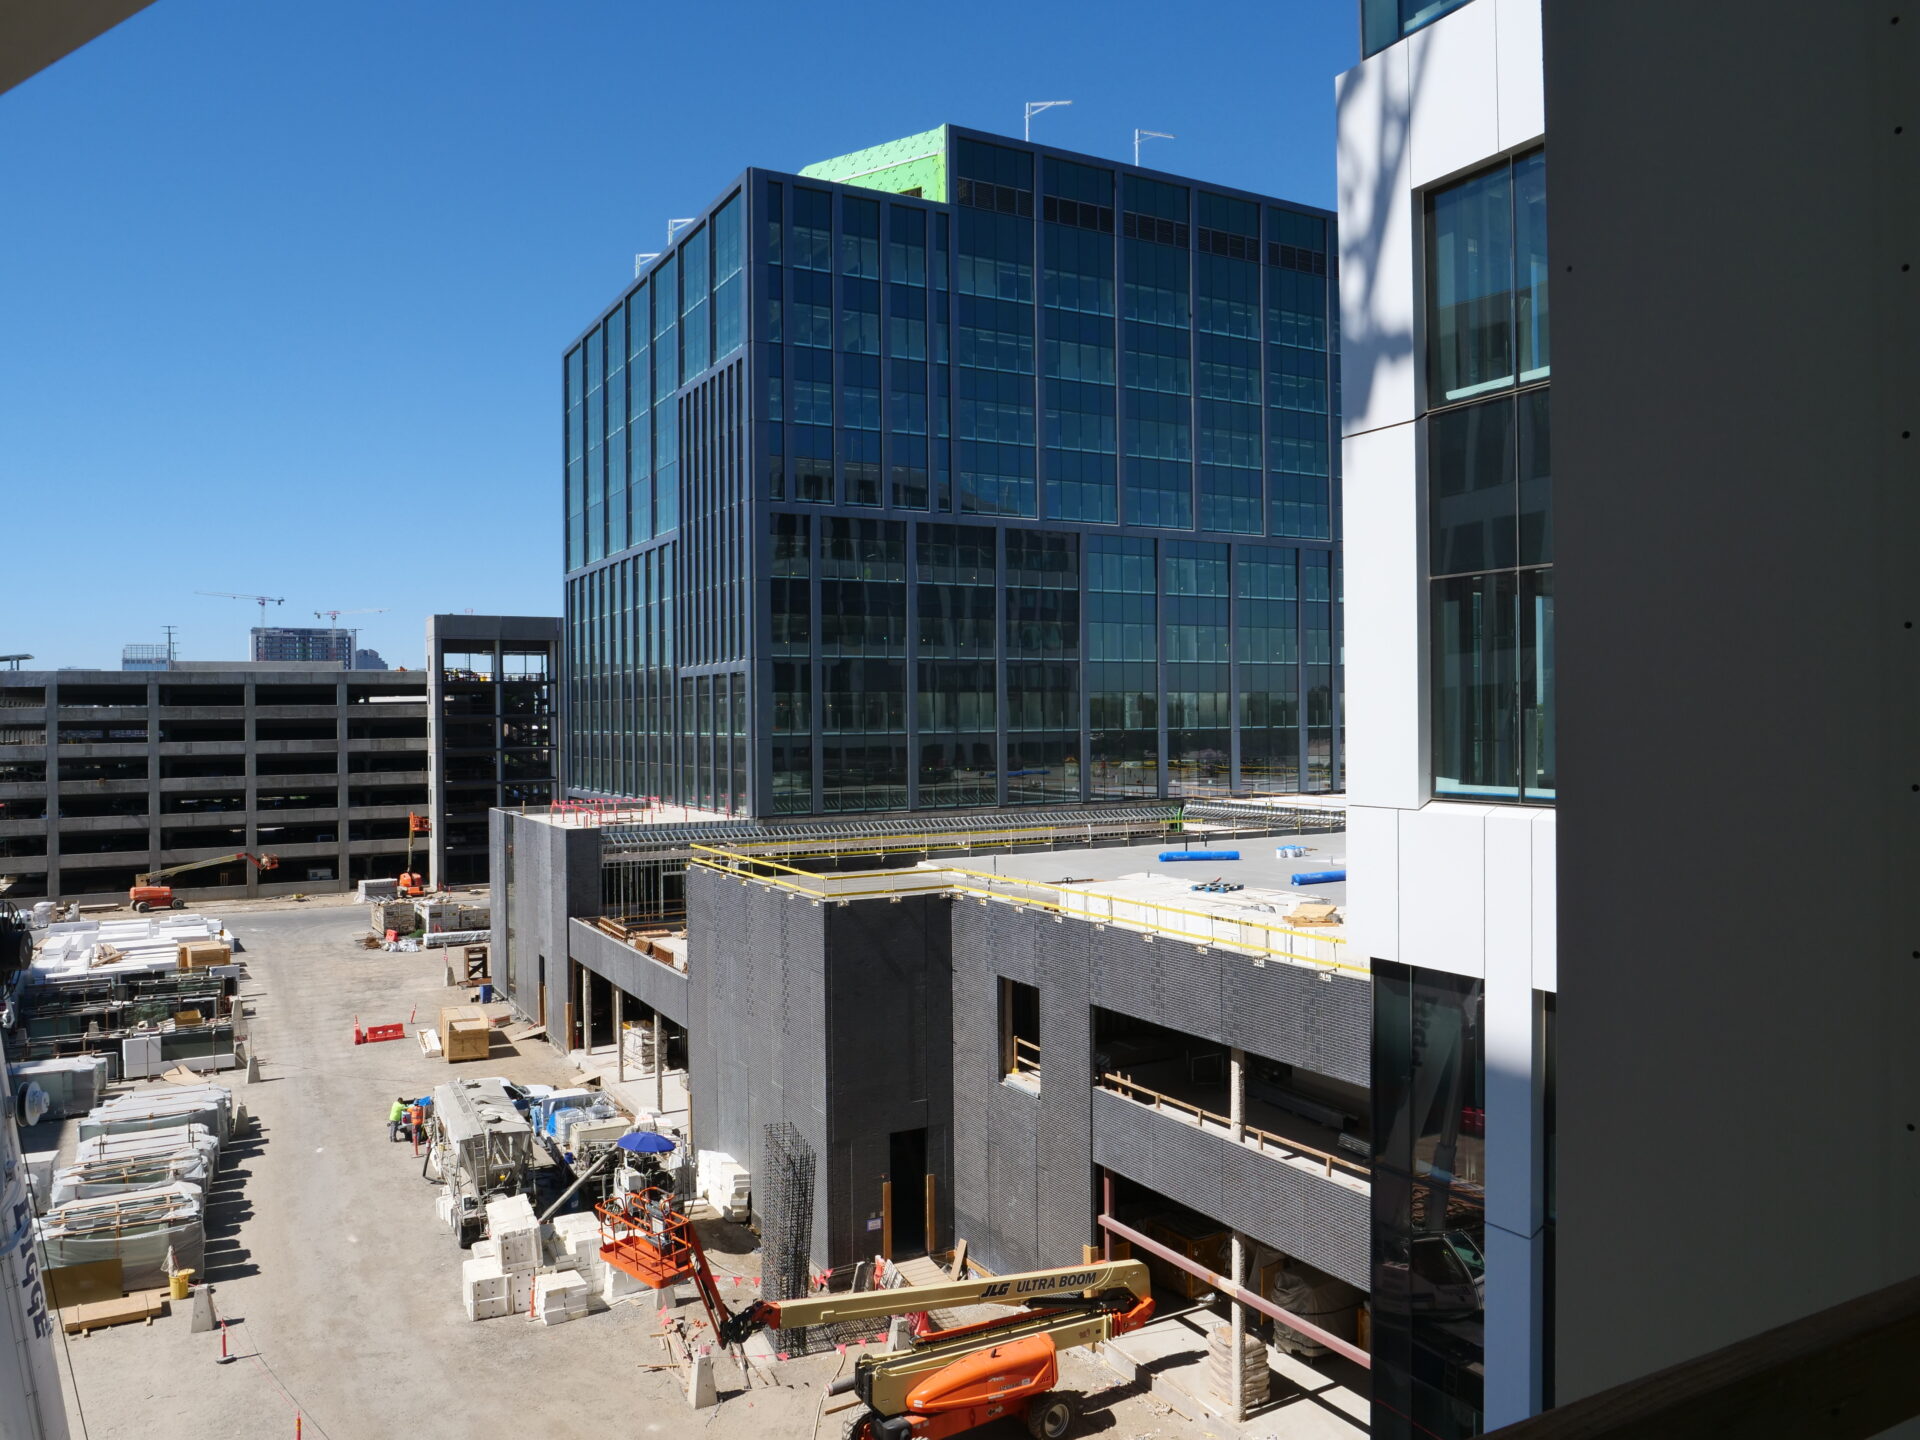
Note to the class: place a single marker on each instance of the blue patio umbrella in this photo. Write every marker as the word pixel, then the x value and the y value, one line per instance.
pixel 645 1142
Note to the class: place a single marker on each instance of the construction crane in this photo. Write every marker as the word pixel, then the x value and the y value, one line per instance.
pixel 332 617
pixel 146 895
pixel 945 1382
pixel 261 600
pixel 411 883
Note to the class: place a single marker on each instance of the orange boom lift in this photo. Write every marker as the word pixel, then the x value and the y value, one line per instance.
pixel 946 1382
pixel 411 883
pixel 146 895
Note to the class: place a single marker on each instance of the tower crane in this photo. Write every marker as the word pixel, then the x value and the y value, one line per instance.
pixel 261 600
pixel 332 617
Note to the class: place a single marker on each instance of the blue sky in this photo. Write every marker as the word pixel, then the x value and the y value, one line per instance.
pixel 284 286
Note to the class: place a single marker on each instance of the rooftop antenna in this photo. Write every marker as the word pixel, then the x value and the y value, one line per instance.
pixel 1140 135
pixel 674 227
pixel 1034 107
pixel 640 261
pixel 261 600
pixel 170 651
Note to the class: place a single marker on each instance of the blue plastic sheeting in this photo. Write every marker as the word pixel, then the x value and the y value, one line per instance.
pixel 1199 854
pixel 1317 877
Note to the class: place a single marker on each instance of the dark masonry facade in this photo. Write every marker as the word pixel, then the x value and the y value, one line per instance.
pixel 954 473
pixel 875 1026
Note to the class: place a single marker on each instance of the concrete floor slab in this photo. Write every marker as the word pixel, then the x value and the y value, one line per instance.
pixel 1325 1399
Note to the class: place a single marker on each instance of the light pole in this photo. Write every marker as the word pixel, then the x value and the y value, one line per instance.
pixel 1034 107
pixel 1140 135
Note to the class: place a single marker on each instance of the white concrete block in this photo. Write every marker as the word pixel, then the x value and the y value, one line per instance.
pixel 1443 888
pixel 1373 885
pixel 1378 332
pixel 1518 60
pixel 519 1292
pixel 562 1293
pixel 1453 90
pixel 487 1309
pixel 616 1284
pixel 1386 647
pixel 701 1394
pixel 519 1250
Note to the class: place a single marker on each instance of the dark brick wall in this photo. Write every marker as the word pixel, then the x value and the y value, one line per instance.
pixel 1024 1164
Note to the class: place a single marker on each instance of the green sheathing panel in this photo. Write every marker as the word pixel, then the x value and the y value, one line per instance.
pixel 918 162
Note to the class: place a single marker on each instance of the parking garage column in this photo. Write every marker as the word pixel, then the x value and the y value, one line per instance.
pixel 250 777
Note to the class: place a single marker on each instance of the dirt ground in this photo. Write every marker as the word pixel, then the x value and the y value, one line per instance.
pixel 342 1291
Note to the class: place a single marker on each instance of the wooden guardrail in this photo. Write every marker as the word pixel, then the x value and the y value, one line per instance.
pixel 1026 1057
pixel 1260 1139
pixel 1841 1374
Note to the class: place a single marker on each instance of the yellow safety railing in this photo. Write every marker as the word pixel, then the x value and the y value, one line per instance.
pixel 1134 913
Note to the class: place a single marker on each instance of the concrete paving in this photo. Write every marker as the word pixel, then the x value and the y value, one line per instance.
pixel 341 1290
pixel 1323 1399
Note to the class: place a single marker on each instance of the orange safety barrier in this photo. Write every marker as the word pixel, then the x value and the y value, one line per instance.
pixel 375 1033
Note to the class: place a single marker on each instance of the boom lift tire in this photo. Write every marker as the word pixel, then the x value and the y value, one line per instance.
pixel 141 906
pixel 1049 1415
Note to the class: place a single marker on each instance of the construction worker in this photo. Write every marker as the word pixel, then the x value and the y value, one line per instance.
pixel 396 1119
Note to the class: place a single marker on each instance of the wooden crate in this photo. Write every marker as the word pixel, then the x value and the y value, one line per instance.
pixel 98 1315
pixel 202 954
pixel 1198 1241
pixel 465 1032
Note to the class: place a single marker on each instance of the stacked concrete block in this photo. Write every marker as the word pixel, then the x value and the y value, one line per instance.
pixel 484 1290
pixel 616 1284
pixel 515 1232
pixel 724 1183
pixel 576 1246
pixel 560 1297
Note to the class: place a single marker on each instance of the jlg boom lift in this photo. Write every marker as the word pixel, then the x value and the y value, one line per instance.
pixel 411 883
pixel 946 1382
pixel 146 895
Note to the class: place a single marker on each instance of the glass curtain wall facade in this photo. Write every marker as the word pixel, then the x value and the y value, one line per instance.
pixel 1489 485
pixel 878 502
pixel 1429 1198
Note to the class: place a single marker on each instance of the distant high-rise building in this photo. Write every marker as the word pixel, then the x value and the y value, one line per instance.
pixel 144 657
pixel 369 660
pixel 303 645
pixel 958 473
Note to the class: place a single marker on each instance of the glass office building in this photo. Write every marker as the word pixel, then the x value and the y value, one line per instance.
pixel 958 473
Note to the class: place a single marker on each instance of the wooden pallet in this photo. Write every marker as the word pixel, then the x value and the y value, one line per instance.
pixel 99 1314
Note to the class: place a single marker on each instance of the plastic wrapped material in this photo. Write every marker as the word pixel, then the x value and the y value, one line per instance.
pixel 120 1177
pixel 137 1228
pixel 190 1139
pixel 208 1105
pixel 1316 1297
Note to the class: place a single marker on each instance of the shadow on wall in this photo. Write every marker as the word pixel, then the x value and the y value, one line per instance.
pixel 1372 210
